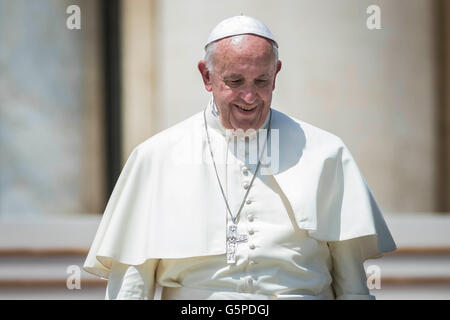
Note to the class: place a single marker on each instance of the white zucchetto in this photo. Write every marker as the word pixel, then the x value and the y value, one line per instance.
pixel 239 25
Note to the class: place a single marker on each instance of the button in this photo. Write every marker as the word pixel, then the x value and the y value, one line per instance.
pixel 251 231
pixel 252 246
pixel 251 218
pixel 245 171
pixel 248 201
pixel 246 186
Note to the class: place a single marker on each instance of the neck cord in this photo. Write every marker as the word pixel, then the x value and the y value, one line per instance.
pixel 235 218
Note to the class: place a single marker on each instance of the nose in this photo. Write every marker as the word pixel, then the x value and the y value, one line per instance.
pixel 249 94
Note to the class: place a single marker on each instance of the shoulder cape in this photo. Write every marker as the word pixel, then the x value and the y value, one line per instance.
pixel 166 202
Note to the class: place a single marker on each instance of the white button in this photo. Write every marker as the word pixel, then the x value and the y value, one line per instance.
pixel 252 246
pixel 245 171
pixel 251 231
pixel 246 186
pixel 248 201
pixel 250 218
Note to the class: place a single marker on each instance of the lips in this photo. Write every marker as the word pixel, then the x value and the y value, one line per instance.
pixel 244 108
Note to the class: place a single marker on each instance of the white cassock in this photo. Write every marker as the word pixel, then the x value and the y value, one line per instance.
pixel 310 218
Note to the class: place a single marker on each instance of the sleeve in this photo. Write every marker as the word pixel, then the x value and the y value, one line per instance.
pixel 349 276
pixel 127 282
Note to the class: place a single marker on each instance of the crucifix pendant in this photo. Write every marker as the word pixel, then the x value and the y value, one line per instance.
pixel 233 239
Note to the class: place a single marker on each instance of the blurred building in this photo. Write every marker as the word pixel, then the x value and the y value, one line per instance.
pixel 75 102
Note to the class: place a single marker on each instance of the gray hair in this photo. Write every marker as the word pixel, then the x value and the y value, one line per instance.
pixel 211 49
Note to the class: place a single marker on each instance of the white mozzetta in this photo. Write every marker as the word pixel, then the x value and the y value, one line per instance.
pixel 167 203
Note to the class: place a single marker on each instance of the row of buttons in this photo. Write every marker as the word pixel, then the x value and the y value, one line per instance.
pixel 249 281
pixel 246 185
pixel 251 218
pixel 245 172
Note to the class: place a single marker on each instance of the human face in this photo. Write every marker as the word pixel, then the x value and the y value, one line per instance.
pixel 242 81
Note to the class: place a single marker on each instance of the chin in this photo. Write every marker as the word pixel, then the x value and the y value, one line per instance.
pixel 247 125
pixel 252 123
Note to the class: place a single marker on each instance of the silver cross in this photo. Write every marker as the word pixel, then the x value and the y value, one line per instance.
pixel 233 239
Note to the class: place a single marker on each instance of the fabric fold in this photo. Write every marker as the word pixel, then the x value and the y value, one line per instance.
pixel 167 202
pixel 336 203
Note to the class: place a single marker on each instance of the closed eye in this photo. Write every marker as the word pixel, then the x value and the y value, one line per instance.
pixel 234 83
pixel 261 82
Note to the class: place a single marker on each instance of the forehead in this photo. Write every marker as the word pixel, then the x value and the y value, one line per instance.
pixel 243 53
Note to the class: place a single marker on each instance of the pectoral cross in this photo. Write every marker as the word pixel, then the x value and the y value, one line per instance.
pixel 233 239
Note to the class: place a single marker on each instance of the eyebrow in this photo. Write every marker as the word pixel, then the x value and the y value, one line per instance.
pixel 238 75
pixel 233 75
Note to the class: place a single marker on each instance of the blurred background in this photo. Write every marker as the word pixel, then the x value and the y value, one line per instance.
pixel 75 101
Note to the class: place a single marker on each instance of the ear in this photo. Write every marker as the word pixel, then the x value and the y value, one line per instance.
pixel 206 75
pixel 276 72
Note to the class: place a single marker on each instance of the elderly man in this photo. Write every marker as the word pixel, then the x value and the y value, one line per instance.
pixel 202 210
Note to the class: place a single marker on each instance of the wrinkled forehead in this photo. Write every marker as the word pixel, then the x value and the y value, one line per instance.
pixel 244 48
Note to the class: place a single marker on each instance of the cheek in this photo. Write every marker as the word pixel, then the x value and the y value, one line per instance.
pixel 222 101
pixel 266 95
pixel 225 97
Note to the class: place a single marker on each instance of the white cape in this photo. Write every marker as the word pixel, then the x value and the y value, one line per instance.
pixel 164 207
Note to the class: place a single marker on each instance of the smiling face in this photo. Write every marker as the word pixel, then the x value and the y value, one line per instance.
pixel 242 80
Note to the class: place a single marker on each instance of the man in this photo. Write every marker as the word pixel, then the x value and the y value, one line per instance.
pixel 203 210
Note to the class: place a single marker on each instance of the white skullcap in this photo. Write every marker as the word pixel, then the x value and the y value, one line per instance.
pixel 240 25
